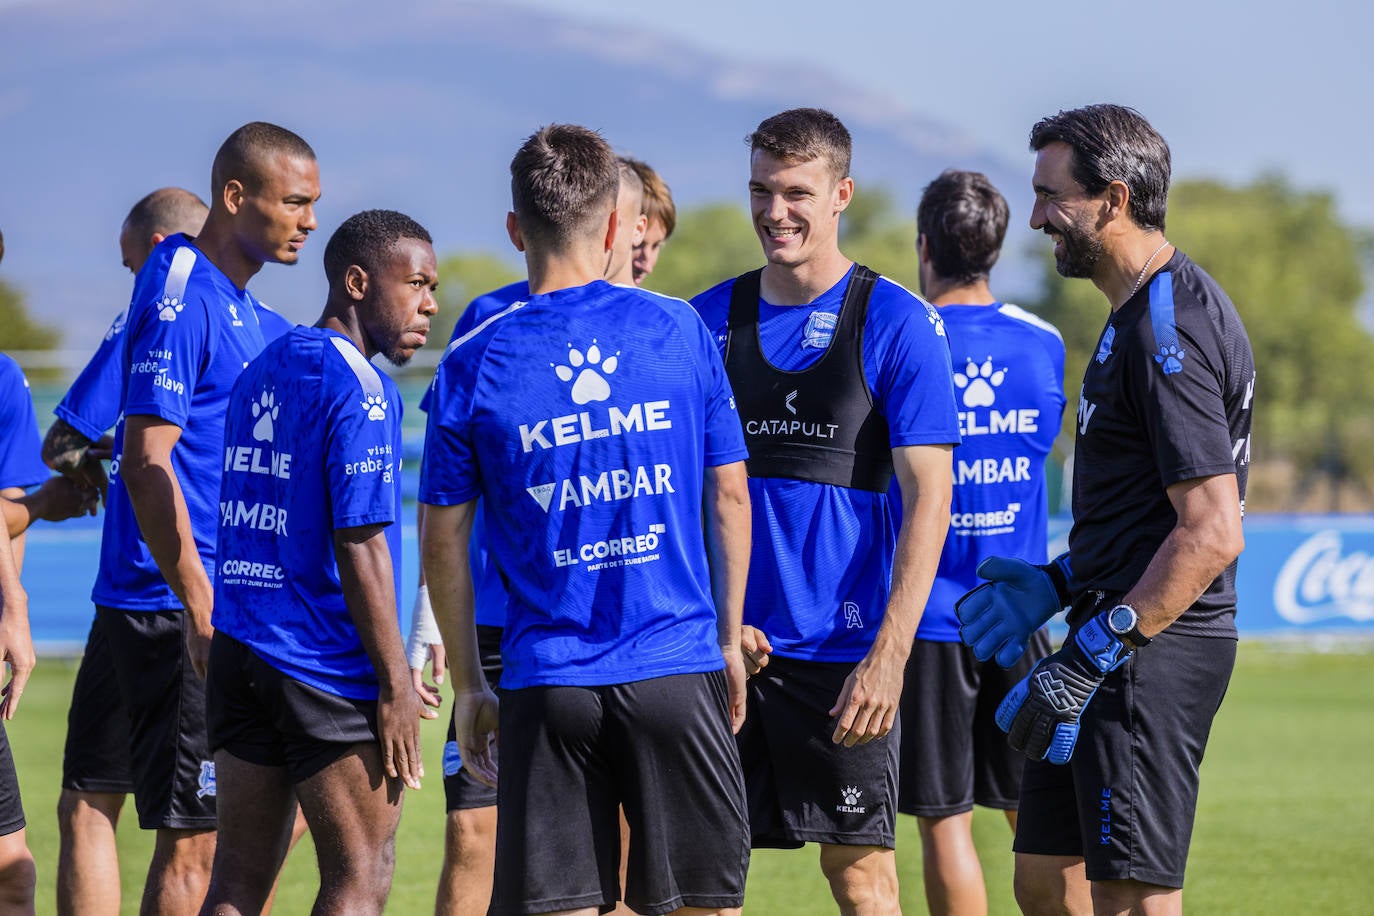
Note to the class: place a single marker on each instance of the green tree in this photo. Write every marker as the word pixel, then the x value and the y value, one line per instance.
pixel 17 330
pixel 462 278
pixel 1294 272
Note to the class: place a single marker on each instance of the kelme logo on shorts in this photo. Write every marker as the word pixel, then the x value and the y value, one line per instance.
pixel 849 798
pixel 206 782
pixel 591 384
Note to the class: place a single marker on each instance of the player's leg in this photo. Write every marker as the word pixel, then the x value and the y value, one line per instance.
pixel 353 809
pixel 169 757
pixel 256 812
pixel 678 773
pixel 939 703
pixel 17 872
pixel 1052 886
pixel 557 833
pixel 863 879
pixel 95 781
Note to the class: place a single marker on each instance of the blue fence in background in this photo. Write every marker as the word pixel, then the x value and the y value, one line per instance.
pixel 1301 574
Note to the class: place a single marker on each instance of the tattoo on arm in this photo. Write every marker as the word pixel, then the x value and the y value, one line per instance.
pixel 64 447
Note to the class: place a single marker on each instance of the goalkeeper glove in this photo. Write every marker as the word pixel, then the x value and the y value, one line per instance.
pixel 999 616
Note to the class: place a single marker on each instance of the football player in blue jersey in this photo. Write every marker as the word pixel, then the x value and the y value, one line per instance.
pixel 309 693
pixel 1009 384
pixel 660 219
pixel 620 647
pixel 1115 723
pixel 191 328
pixel 841 376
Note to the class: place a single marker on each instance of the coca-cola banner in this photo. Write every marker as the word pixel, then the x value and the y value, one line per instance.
pixel 1304 573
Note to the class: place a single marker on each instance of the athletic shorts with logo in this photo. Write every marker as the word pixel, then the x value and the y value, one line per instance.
pixel 461 788
pixel 570 756
pixel 260 715
pixel 953 754
pixel 802 787
pixel 1133 779
pixel 96 755
pixel 169 758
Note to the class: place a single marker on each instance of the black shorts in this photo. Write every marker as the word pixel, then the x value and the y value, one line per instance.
pixel 11 806
pixel 96 755
pixel 1133 778
pixel 571 756
pixel 260 715
pixel 953 754
pixel 802 788
pixel 461 789
pixel 169 758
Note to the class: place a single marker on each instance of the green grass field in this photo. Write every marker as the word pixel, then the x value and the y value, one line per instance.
pixel 1285 825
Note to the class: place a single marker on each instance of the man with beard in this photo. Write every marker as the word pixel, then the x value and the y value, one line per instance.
pixel 1115 723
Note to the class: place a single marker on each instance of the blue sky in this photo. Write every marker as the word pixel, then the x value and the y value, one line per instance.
pixel 1236 88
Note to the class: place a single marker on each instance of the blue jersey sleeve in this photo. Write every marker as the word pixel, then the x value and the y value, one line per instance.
pixel 359 463
pixel 169 339
pixel 91 404
pixel 448 474
pixel 21 458
pixel 724 433
pixel 909 368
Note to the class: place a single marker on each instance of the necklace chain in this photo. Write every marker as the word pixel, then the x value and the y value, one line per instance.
pixel 1140 277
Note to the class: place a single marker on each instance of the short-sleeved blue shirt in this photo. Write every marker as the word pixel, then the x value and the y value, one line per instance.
pixel 189 334
pixel 821 568
pixel 21 449
pixel 588 415
pixel 312 444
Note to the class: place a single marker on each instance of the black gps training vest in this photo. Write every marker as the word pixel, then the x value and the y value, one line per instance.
pixel 820 423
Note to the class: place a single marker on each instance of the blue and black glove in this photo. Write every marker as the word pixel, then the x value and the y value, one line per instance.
pixel 999 616
pixel 1040 714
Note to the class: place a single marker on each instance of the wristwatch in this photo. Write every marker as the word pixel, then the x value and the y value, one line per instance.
pixel 1124 623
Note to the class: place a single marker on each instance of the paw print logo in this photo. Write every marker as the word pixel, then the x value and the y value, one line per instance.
pixel 118 326
pixel 978 383
pixel 1170 359
pixel 376 406
pixel 933 316
pixel 851 795
pixel 169 307
pixel 591 384
pixel 266 410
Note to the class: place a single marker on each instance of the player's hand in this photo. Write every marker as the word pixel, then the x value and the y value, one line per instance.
pixel 90 473
pixel 867 705
pixel 477 725
pixel 16 648
pixel 999 616
pixel 1041 713
pixel 430 697
pixel 61 498
pixel 198 636
pixel 398 730
pixel 755 647
pixel 735 679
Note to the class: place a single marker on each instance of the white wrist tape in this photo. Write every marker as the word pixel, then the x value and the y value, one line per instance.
pixel 424 632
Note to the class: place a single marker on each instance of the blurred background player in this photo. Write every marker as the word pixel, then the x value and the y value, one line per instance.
pixel 630 225
pixel 625 655
pixel 841 376
pixel 309 694
pixel 1009 385
pixel 192 327
pixel 660 217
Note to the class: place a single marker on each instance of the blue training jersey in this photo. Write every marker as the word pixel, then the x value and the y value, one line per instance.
pixel 821 568
pixel 21 449
pixel 588 415
pixel 91 404
pixel 312 444
pixel 488 588
pixel 190 333
pixel 1009 385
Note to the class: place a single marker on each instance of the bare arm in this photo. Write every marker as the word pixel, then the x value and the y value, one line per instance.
pixel 67 451
pixel 365 572
pixel 728 538
pixel 1205 540
pixel 16 645
pixel 444 556
pixel 424 644
pixel 59 498
pixel 158 503
pixel 867 706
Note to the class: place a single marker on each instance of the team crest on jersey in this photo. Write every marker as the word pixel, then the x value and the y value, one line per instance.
pixel 979 383
pixel 1170 359
pixel 206 782
pixel 853 620
pixel 376 406
pixel 819 331
pixel 933 316
pixel 169 307
pixel 1104 346
pixel 265 410
pixel 587 372
pixel 118 327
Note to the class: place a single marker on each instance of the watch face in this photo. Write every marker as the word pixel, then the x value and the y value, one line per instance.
pixel 1122 619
